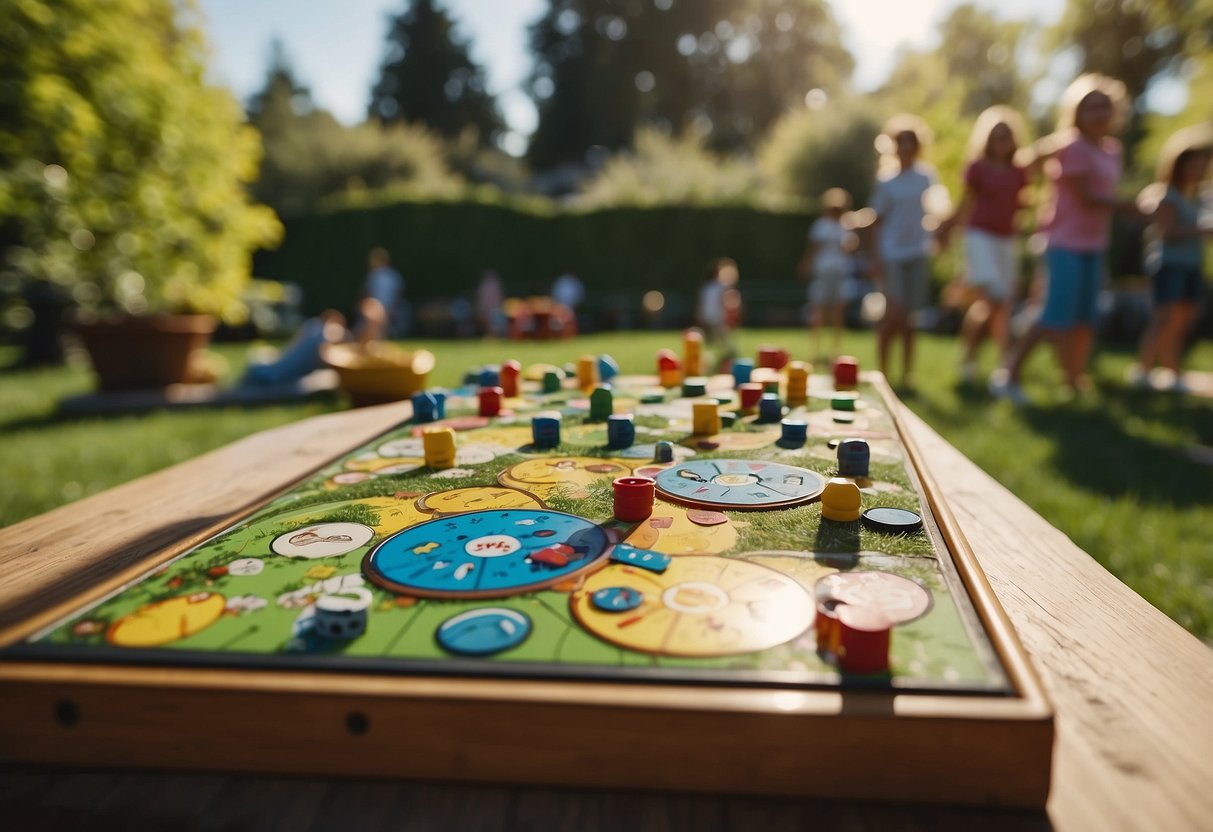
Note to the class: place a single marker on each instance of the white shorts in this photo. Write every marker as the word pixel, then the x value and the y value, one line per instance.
pixel 830 286
pixel 992 260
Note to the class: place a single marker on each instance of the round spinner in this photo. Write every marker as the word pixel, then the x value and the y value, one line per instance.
pixel 739 484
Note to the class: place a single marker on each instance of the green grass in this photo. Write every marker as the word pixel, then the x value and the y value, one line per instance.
pixel 1110 471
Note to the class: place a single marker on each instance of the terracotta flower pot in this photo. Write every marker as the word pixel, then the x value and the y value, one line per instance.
pixel 131 353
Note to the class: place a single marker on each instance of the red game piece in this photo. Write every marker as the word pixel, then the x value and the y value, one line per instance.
pixel 490 401
pixel 846 372
pixel 634 498
pixel 556 556
pixel 772 357
pixel 669 368
pixel 751 394
pixel 510 371
pixel 863 640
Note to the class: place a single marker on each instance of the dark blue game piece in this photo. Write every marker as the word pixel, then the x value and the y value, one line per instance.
pixel 490 376
pixel 607 368
pixel 854 457
pixel 642 558
pixel 793 432
pixel 694 387
pixel 484 631
pixel 545 430
pixel 621 430
pixel 742 367
pixel 617 598
pixel 425 407
pixel 892 520
pixel 663 451
pixel 770 408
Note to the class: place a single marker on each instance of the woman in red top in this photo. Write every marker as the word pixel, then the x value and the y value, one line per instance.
pixel 993 182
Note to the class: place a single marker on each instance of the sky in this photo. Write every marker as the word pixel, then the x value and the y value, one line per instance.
pixel 336 48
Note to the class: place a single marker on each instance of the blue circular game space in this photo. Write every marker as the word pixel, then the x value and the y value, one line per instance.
pixel 738 483
pixel 486 554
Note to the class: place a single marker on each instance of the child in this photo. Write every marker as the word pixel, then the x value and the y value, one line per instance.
pixel 993 181
pixel 827 261
pixel 902 239
pixel 1076 222
pixel 1175 258
pixel 719 308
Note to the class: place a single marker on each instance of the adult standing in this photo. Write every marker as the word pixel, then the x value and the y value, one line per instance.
pixel 382 295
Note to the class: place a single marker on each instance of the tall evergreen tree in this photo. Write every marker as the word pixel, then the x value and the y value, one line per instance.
pixel 428 76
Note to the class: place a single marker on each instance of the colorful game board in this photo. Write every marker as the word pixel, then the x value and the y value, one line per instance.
pixel 511 565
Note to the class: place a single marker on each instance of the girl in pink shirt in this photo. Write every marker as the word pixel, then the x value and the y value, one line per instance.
pixel 993 181
pixel 1084 169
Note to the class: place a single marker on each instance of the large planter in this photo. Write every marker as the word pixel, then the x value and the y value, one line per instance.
pixel 135 353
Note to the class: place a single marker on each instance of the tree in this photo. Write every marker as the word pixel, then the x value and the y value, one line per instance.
pixel 724 69
pixel 122 173
pixel 428 77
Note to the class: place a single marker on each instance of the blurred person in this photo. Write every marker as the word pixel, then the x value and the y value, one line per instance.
pixel 828 268
pixel 1084 168
pixel 568 291
pixel 1175 255
pixel 300 356
pixel 902 265
pixel 382 295
pixel 490 304
pixel 994 180
pixel 719 309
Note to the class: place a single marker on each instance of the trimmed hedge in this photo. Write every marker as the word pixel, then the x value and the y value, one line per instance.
pixel 443 248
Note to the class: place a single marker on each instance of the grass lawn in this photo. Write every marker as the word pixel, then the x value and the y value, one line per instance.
pixel 1112 471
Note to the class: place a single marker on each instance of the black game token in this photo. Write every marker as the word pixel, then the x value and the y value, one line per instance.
pixel 892 520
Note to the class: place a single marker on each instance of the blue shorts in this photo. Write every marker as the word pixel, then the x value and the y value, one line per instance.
pixel 1175 284
pixel 1074 279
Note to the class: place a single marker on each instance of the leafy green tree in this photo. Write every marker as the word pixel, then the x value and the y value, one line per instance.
pixel 122 172
pixel 429 77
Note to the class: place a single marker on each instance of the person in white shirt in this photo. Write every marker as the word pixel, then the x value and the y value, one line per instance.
pixel 827 266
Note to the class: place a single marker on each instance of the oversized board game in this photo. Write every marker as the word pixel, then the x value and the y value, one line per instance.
pixel 752 556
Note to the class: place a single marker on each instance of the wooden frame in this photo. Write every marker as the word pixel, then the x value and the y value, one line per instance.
pixel 974 749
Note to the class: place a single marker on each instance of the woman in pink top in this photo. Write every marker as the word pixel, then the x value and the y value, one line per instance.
pixel 993 181
pixel 1084 171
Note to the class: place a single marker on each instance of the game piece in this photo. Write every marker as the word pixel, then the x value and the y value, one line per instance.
pixel 663 451
pixel 545 429
pixel 700 517
pixel 892 520
pixel 602 403
pixel 793 432
pixel 771 385
pixel 490 376
pixel 621 430
pixel 471 377
pixel 707 444
pixel 490 401
pixel 551 382
pixel 439 404
pixel 342 617
pixel 739 483
pixel 425 407
pixel 484 631
pixel 841 500
pixel 652 398
pixel 669 368
pixel 694 387
pixel 705 418
pixel 846 372
pixel 826 624
pixel 644 558
pixel 854 457
pixel 439 445
pixel 844 418
pixel 770 409
pixel 843 401
pixel 634 498
pixel 798 383
pixel 617 599
pixel 692 352
pixel 558 555
pixel 750 394
pixel 587 373
pixel 510 371
pixel 607 368
pixel 742 367
pixel 728 418
pixel 772 358
pixel 863 640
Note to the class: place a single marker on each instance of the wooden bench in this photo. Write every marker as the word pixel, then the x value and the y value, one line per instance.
pixel 1133 692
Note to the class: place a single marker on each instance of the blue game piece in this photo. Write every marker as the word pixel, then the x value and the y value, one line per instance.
pixel 545 430
pixel 793 432
pixel 663 451
pixel 854 458
pixel 742 367
pixel 471 376
pixel 440 406
pixel 643 558
pixel 484 631
pixel 621 430
pixel 490 376
pixel 770 408
pixel 607 368
pixel 617 598
pixel 425 407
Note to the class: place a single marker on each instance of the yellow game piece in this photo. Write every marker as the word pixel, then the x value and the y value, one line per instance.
pixel 587 373
pixel 706 417
pixel 841 500
pixel 439 446
pixel 692 352
pixel 798 383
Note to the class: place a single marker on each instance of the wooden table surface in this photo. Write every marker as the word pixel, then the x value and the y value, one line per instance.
pixel 1133 692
